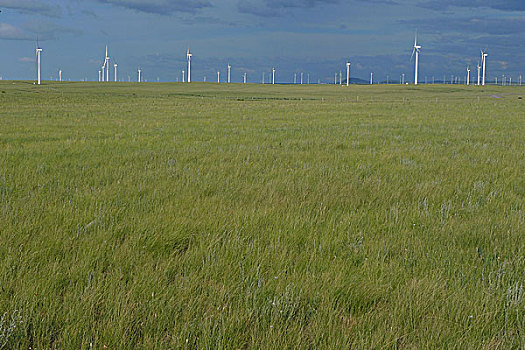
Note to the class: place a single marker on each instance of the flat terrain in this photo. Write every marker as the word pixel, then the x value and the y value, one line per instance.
pixel 207 216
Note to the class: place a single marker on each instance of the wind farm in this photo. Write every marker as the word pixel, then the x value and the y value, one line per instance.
pixel 353 195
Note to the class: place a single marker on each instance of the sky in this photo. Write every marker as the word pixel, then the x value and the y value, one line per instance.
pixel 315 37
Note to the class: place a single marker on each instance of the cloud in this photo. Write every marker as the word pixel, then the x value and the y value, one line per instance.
pixel 274 8
pixel 468 25
pixel 504 5
pixel 10 32
pixel 32 7
pixel 162 7
pixel 26 59
pixel 46 30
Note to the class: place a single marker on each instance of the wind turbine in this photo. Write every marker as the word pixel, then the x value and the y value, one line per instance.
pixel 39 66
pixel 273 76
pixel 106 64
pixel 301 78
pixel 99 75
pixel 60 75
pixel 468 75
pixel 229 73
pixel 115 66
pixel 188 56
pixel 218 77
pixel 484 63
pixel 244 77
pixel 348 64
pixel 479 74
pixel 417 49
pixel 140 75
pixel 183 79
pixel 372 78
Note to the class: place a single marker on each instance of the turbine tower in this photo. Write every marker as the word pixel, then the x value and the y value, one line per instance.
pixel 468 75
pixel 183 78
pixel 115 66
pixel 60 75
pixel 484 64
pixel 140 75
pixel 372 78
pixel 39 66
pixel 273 76
pixel 244 77
pixel 188 56
pixel 99 75
pixel 229 73
pixel 417 49
pixel 479 74
pixel 218 77
pixel 348 64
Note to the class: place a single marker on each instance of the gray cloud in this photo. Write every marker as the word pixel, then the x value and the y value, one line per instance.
pixel 160 6
pixel 491 26
pixel 46 30
pixel 10 32
pixel 505 5
pixel 32 6
pixel 273 8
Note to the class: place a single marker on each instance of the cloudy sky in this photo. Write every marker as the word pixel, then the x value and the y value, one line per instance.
pixel 311 36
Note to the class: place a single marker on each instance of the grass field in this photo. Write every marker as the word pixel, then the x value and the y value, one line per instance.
pixel 205 216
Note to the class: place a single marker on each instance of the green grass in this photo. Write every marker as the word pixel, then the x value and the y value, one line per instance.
pixel 210 216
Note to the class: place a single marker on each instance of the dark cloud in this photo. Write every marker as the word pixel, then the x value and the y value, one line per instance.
pixel 32 6
pixel 162 7
pixel 273 8
pixel 505 5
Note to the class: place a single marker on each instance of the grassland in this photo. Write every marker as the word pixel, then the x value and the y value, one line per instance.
pixel 209 216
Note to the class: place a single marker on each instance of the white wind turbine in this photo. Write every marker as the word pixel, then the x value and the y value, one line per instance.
pixel 229 73
pixel 140 75
pixel 244 80
pixel 468 75
pixel 348 64
pixel 218 77
pixel 99 75
pixel 484 64
pixel 188 56
pixel 39 66
pixel 60 75
pixel 106 64
pixel 372 78
pixel 273 76
pixel 115 66
pixel 417 49
pixel 183 76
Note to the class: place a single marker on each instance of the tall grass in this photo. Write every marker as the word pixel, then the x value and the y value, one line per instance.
pixel 247 216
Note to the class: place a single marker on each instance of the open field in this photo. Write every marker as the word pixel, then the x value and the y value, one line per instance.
pixel 201 216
